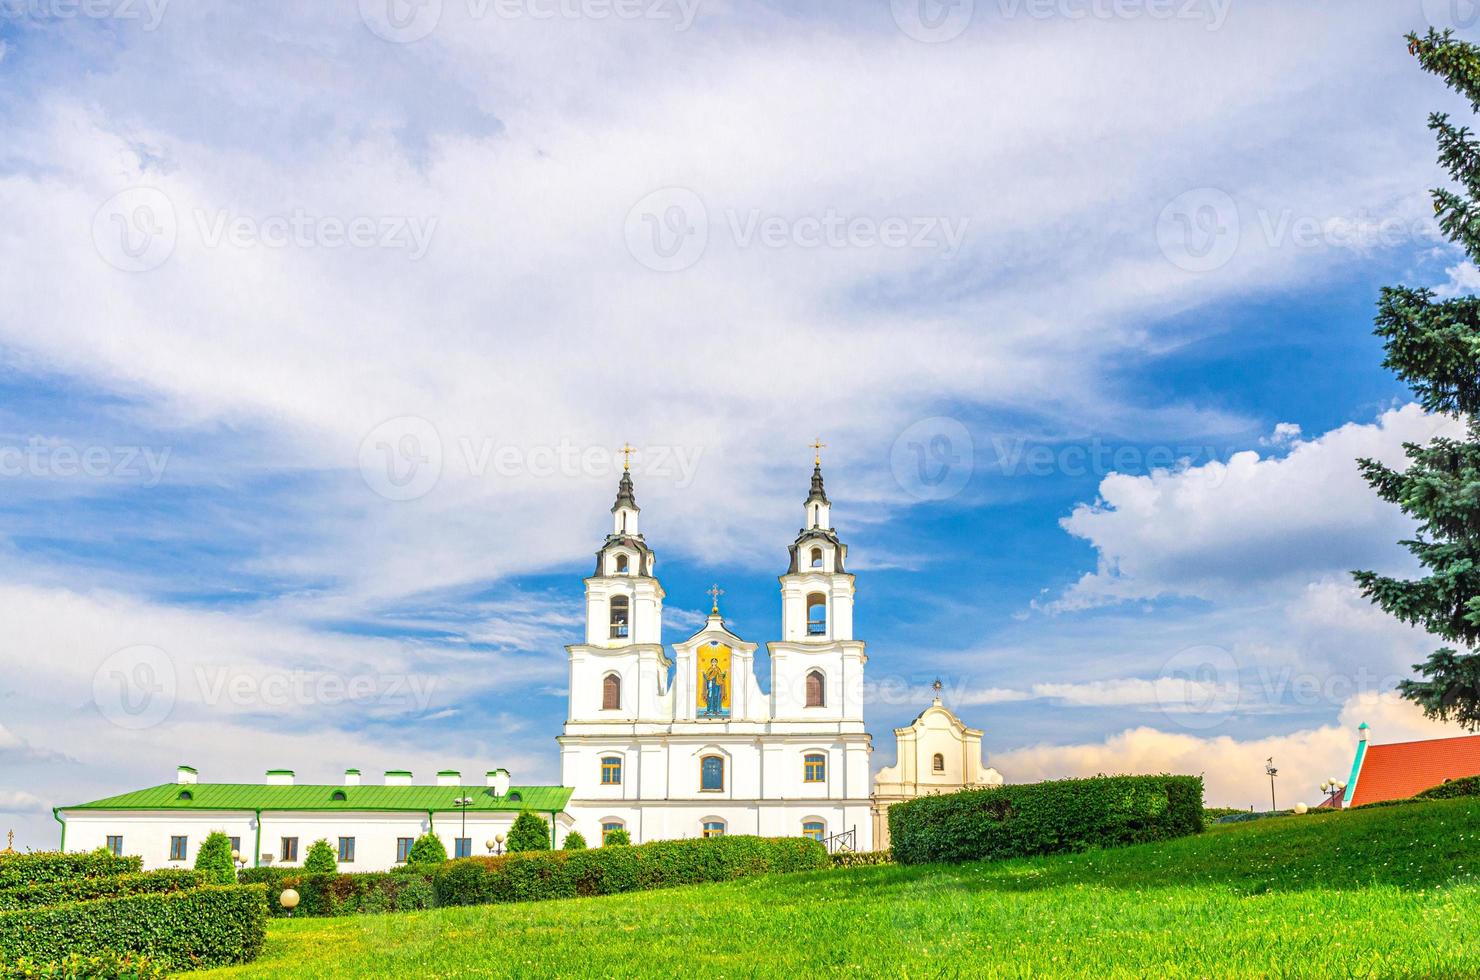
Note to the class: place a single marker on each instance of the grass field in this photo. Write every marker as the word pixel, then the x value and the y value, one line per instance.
pixel 1384 892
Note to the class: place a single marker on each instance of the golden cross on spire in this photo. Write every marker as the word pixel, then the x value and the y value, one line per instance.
pixel 626 452
pixel 714 592
pixel 817 447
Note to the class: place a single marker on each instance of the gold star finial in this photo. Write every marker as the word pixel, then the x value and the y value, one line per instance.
pixel 714 592
pixel 817 447
pixel 626 452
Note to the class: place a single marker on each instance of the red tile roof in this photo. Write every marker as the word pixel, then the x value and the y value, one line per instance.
pixel 1398 771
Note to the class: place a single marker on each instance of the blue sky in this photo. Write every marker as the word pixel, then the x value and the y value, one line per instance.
pixel 1118 268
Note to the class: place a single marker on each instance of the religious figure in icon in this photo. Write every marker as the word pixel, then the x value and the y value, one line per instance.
pixel 714 688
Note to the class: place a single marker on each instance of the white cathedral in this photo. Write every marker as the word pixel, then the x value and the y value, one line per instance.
pixel 689 745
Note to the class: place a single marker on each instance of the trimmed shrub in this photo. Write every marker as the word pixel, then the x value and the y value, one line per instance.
pixel 208 926
pixel 320 859
pixel 1045 818
pixel 574 842
pixel 100 966
pixel 345 894
pixel 529 833
pixel 83 889
pixel 1454 789
pixel 607 871
pixel 427 849
pixel 1212 813
pixel 858 859
pixel 214 858
pixel 40 867
pixel 616 838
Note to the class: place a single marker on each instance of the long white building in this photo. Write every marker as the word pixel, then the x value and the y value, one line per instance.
pixel 663 744
pixel 688 744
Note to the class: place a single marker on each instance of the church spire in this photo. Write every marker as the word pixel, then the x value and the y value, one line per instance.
pixel 625 509
pixel 817 504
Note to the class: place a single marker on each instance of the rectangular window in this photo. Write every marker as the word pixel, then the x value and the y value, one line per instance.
pixel 236 844
pixel 403 849
pixel 115 844
pixel 289 851
pixel 607 828
pixel 815 769
pixel 177 848
pixel 712 773
pixel 714 828
pixel 346 850
pixel 462 847
pixel 611 771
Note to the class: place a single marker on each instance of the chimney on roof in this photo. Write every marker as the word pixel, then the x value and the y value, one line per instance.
pixel 185 774
pixel 351 777
pixel 280 777
pixel 449 777
pixel 498 781
pixel 398 777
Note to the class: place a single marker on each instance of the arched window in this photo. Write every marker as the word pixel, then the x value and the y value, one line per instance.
pixel 816 557
pixel 714 828
pixel 185 794
pixel 611 771
pixel 814 829
pixel 338 796
pixel 712 773
pixel 607 826
pixel 816 614
pixel 621 564
pixel 814 768
pixel 620 607
pixel 938 762
pixel 514 797
pixel 816 693
pixel 611 693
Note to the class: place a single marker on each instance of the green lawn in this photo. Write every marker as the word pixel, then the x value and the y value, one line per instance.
pixel 1384 892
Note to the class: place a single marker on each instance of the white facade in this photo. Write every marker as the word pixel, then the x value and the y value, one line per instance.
pixel 936 753
pixel 645 750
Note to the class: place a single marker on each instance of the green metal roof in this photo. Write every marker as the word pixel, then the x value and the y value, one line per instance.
pixel 255 796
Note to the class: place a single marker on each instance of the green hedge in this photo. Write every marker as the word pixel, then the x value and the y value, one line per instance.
pixel 102 966
pixel 41 867
pixel 207 926
pixel 1452 790
pixel 1045 818
pixel 82 889
pixel 604 871
pixel 345 894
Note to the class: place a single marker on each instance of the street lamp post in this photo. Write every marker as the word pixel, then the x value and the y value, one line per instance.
pixel 462 803
pixel 1333 788
pixel 1272 772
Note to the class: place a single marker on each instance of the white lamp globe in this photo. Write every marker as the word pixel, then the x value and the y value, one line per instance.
pixel 1301 808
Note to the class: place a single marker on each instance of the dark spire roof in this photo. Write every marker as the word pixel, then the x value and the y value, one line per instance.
pixel 624 493
pixel 817 492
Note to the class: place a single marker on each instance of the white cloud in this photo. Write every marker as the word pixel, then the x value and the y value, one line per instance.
pixel 1224 529
pixel 1232 768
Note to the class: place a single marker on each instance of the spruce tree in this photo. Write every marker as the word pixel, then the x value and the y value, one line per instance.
pixel 427 849
pixel 1434 346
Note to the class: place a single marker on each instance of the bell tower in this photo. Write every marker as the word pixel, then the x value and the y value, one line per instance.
pixel 817 665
